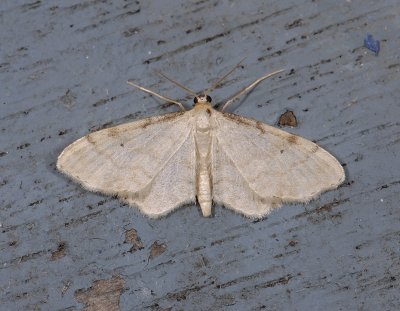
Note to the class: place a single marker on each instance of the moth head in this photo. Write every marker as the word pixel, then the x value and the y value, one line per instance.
pixel 202 99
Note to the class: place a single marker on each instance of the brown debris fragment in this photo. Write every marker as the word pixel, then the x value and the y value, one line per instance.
pixel 103 295
pixel 60 252
pixel 65 288
pixel 157 249
pixel 132 237
pixel 287 119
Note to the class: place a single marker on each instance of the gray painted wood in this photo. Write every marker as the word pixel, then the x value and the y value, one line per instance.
pixel 63 67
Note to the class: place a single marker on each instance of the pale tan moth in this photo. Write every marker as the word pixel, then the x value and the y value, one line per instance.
pixel 161 163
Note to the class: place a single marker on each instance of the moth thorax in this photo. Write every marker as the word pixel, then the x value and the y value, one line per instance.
pixel 203 121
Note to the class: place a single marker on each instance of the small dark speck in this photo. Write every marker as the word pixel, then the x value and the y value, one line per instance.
pixel 101 202
pixel 294 24
pixel 192 30
pixel 358 158
pixel 62 132
pixel 131 31
pixel 23 146
pixel 12 243
pixel 371 44
pixel 72 25
pixel 121 145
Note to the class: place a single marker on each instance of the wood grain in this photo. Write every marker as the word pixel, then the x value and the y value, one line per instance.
pixel 63 69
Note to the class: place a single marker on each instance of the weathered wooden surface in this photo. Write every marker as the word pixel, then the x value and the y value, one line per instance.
pixel 63 67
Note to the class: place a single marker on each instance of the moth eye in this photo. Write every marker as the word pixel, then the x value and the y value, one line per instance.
pixel 195 100
pixel 209 99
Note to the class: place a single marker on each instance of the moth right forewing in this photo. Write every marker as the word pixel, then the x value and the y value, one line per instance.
pixel 274 163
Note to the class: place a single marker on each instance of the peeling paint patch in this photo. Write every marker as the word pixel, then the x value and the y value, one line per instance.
pixel 60 252
pixel 157 249
pixel 103 295
pixel 132 237
pixel 287 119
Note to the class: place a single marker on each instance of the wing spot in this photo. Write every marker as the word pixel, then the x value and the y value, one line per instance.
pixel 239 119
pixel 260 127
pixel 292 139
pixel 146 123
pixel 282 151
pixel 90 139
pixel 163 118
pixel 121 144
pixel 209 111
pixel 314 149
pixel 113 132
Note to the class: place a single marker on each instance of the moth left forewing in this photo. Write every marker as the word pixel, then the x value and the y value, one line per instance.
pixel 137 162
pixel 275 166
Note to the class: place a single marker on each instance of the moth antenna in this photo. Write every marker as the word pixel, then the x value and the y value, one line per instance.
pixel 248 88
pixel 167 99
pixel 215 85
pixel 177 83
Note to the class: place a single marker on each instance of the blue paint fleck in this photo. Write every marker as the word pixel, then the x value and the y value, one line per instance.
pixel 371 44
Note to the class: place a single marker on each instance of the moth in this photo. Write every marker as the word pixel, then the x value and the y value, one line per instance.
pixel 160 163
